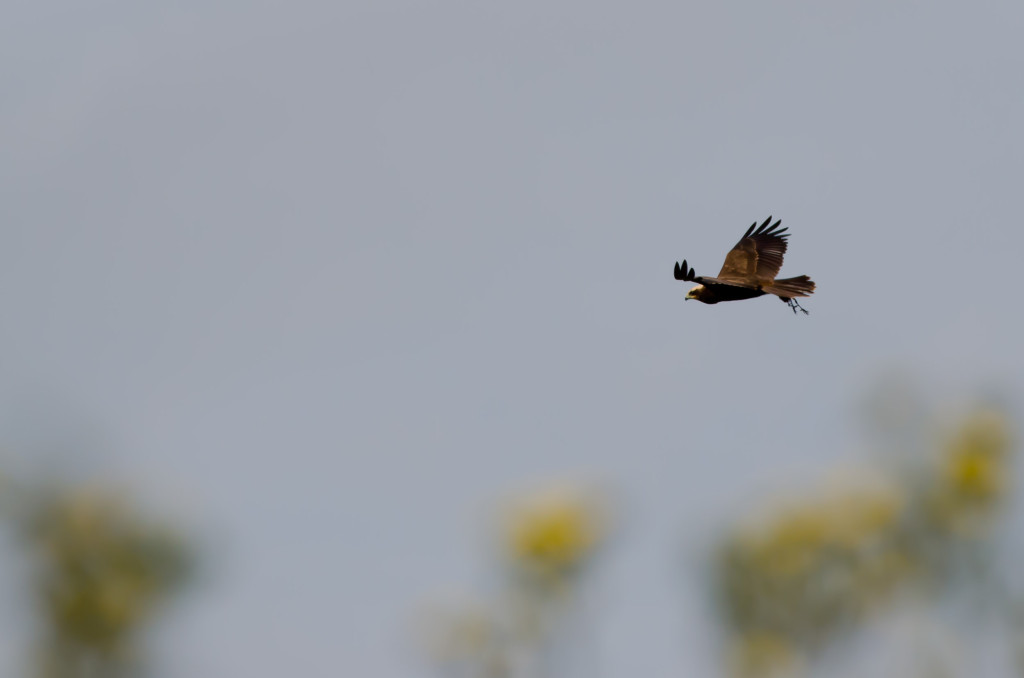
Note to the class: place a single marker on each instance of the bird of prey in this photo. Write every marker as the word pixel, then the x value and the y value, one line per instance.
pixel 749 271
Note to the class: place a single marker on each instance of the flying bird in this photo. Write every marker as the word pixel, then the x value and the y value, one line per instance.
pixel 749 271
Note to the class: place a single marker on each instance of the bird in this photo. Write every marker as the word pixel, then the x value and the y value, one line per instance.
pixel 749 271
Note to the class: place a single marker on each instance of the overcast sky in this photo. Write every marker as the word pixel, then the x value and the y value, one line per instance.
pixel 326 279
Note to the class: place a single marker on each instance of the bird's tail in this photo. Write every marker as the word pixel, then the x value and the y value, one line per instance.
pixel 800 286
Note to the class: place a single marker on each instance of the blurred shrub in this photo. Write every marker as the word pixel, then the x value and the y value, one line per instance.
pixel 789 582
pixel 101 571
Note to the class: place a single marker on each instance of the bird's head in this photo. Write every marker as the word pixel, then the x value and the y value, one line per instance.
pixel 695 292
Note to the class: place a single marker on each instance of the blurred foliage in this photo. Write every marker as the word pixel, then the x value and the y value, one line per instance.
pixel 546 540
pixel 101 571
pixel 793 581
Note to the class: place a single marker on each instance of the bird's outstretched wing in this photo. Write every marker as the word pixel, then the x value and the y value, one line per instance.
pixel 757 257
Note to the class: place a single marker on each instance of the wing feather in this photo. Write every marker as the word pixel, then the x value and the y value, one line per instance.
pixel 757 257
pixel 683 273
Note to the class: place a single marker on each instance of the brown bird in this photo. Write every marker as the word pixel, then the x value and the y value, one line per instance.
pixel 749 271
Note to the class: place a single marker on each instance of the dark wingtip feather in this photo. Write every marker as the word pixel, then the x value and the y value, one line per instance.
pixel 773 230
pixel 760 229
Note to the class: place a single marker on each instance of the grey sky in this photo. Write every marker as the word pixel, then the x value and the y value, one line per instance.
pixel 328 278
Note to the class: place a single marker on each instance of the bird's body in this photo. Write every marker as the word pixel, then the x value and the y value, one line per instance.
pixel 712 293
pixel 749 271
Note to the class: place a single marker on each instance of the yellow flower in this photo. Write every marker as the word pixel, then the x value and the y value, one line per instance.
pixel 846 518
pixel 976 458
pixel 973 474
pixel 555 530
pixel 791 545
pixel 860 516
